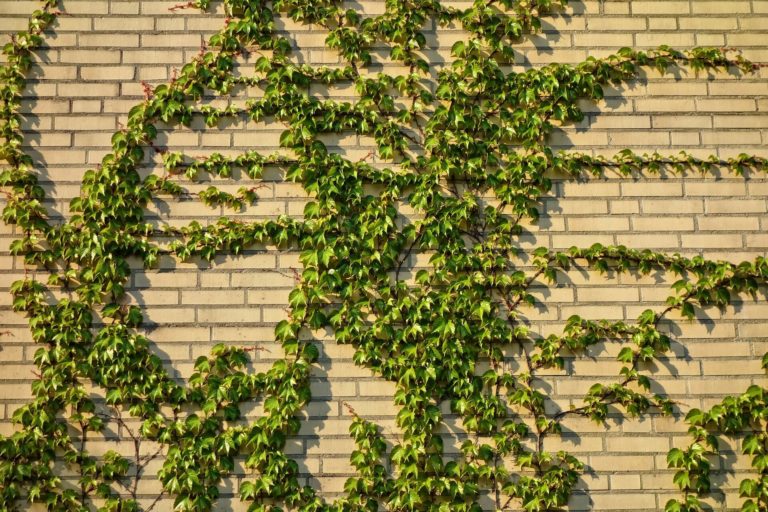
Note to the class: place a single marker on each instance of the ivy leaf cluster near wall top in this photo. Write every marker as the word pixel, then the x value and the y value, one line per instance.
pixel 446 137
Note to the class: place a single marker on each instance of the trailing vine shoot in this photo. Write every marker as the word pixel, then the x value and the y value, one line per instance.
pixel 465 146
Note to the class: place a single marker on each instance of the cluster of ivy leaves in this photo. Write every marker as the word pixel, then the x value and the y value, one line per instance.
pixel 445 138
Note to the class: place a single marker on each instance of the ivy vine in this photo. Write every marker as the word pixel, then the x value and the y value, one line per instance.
pixel 445 138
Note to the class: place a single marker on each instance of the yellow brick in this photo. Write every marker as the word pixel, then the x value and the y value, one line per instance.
pixel 621 501
pixel 20 7
pixel 758 189
pixel 51 139
pixel 666 105
pixel 728 223
pixel 607 223
pixel 89 7
pixel 635 444
pixel 740 367
pixel 61 157
pixel 170 24
pixel 152 57
pixel 753 22
pixel 54 72
pixel 718 24
pixel 92 139
pixel 625 122
pixel 96 73
pixel 15 391
pixel 109 40
pixel 582 444
pixel 677 89
pixel 376 388
pixel 214 280
pixel 670 7
pixel 268 296
pixel 570 56
pixel 212 297
pixel 260 139
pixel 602 312
pixel 595 39
pixel 612 294
pixel 627 24
pixel 730 7
pixel 742 121
pixel 85 106
pixel 174 352
pixel 735 138
pixel 337 466
pixel 685 138
pixel 170 315
pixel 331 446
pixel 753 241
pixel 715 188
pixel 566 241
pixel 215 139
pixel 156 8
pixel 719 105
pixel 334 389
pixel 662 223
pixel 588 189
pixel 717 386
pixel 651 241
pixel 710 40
pixel 54 106
pixel 153 74
pixel 122 8
pixel 657 295
pixel 263 280
pixel 662 23
pixel 748 310
pixel 229 315
pixel 153 297
pixel 171 40
pixel 654 39
pixel 561 138
pixel 631 138
pixel 624 206
pixel 611 462
pixel 40 90
pixel 89 56
pixel 71 24
pixel 203 24
pixel 673 206
pixel 11 352
pixel 753 329
pixel 178 138
pixel 73 123
pixel 682 121
pixel 164 279
pixel 625 482
pixel 656 189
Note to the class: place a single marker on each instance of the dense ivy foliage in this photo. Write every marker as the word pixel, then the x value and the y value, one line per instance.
pixel 447 139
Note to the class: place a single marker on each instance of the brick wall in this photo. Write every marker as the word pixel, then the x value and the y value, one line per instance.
pixel 101 51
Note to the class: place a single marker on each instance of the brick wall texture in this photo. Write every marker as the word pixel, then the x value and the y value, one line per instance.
pixel 100 52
